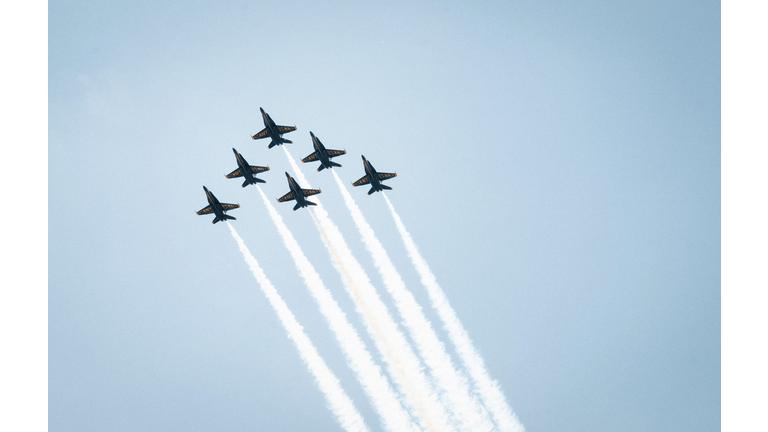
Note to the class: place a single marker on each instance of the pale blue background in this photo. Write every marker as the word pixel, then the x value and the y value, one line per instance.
pixel 558 165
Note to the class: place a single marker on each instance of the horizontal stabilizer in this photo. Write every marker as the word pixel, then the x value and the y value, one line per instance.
pixel 373 189
pixel 296 207
pixel 383 186
pixel 255 180
pixel 335 164
pixel 226 216
pixel 322 167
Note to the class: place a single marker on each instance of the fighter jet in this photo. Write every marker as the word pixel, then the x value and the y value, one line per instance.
pixel 214 206
pixel 273 131
pixel 299 194
pixel 247 171
pixel 374 178
pixel 322 154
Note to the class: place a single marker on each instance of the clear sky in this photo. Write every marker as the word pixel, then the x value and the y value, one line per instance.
pixel 558 166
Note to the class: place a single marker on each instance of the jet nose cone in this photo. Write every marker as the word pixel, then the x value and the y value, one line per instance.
pixel 313 135
pixel 233 149
pixel 261 109
pixel 205 188
pixel 287 175
pixel 363 158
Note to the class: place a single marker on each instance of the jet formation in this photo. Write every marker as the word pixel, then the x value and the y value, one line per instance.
pixel 320 154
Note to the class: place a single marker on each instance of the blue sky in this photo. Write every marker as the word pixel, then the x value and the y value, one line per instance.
pixel 558 166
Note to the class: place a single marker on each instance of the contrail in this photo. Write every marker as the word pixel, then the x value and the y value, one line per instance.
pixel 487 388
pixel 402 364
pixel 394 417
pixel 341 405
pixel 455 390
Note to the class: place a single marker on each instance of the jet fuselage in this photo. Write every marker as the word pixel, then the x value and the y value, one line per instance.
pixel 322 153
pixel 370 171
pixel 298 195
pixel 271 126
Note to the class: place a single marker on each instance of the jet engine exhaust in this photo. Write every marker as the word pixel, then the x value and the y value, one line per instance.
pixel 340 404
pixel 487 388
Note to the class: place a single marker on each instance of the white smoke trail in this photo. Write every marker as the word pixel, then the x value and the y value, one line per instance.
pixel 341 405
pixel 456 391
pixel 394 417
pixel 402 363
pixel 487 388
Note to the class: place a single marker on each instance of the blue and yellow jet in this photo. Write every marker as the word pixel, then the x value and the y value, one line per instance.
pixel 374 178
pixel 247 171
pixel 298 194
pixel 322 154
pixel 273 131
pixel 214 206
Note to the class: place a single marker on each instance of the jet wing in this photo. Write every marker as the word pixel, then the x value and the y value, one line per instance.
pixel 285 129
pixel 226 207
pixel 335 152
pixel 263 134
pixel 362 181
pixel 384 176
pixel 287 197
pixel 309 192
pixel 313 157
pixel 206 210
pixel 236 173
pixel 258 169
